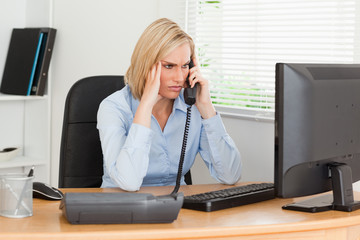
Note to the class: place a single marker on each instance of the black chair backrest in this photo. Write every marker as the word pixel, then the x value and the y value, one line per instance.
pixel 81 159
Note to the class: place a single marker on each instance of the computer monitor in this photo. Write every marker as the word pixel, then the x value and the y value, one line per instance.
pixel 317 134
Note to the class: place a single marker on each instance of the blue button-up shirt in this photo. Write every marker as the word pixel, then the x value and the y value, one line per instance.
pixel 136 156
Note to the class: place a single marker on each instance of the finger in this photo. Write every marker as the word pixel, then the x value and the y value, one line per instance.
pixel 195 61
pixel 148 78
pixel 158 70
pixel 153 72
pixel 149 75
pixel 194 82
pixel 194 76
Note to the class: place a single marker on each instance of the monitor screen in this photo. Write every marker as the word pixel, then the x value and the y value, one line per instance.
pixel 317 134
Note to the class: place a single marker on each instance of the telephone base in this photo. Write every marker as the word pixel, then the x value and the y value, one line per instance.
pixel 113 208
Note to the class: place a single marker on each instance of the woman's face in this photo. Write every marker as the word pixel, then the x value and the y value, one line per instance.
pixel 174 70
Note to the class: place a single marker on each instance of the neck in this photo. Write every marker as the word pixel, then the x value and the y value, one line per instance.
pixel 163 105
pixel 162 110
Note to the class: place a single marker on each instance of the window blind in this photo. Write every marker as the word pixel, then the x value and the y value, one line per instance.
pixel 239 42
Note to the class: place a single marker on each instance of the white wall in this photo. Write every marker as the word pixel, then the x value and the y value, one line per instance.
pixel 255 141
pixel 12 15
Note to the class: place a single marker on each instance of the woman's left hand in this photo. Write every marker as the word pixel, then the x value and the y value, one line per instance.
pixel 203 99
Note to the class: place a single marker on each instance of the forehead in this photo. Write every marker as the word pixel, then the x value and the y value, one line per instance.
pixel 180 54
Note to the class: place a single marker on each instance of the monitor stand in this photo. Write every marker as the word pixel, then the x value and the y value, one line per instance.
pixel 342 198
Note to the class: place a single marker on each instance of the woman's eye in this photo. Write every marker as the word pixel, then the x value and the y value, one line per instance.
pixel 168 66
pixel 185 66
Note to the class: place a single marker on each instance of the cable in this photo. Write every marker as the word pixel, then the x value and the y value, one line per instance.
pixel 183 150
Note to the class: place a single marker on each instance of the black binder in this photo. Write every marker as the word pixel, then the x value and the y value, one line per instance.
pixel 28 60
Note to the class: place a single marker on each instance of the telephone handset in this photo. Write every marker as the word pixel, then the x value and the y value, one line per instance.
pixel 190 93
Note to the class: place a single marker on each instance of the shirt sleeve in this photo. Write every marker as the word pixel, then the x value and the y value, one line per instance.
pixel 219 151
pixel 125 146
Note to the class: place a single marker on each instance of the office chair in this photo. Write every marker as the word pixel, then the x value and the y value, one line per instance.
pixel 81 159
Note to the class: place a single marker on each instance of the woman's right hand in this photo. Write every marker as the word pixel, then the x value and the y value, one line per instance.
pixel 152 86
pixel 149 97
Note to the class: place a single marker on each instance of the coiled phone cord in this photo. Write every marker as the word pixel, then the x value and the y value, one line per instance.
pixel 183 150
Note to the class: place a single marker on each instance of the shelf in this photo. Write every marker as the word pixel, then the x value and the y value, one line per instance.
pixel 9 97
pixel 22 162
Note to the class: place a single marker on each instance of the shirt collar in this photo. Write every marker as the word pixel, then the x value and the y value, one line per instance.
pixel 180 103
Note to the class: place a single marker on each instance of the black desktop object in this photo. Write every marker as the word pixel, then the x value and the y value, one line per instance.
pixel 317 134
pixel 113 208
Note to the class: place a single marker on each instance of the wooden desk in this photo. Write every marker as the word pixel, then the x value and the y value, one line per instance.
pixel 265 220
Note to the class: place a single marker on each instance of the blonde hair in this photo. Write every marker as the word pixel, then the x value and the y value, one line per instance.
pixel 157 41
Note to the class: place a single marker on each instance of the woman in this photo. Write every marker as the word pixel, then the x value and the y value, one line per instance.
pixel 141 126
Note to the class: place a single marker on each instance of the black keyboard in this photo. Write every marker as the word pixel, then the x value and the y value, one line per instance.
pixel 230 197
